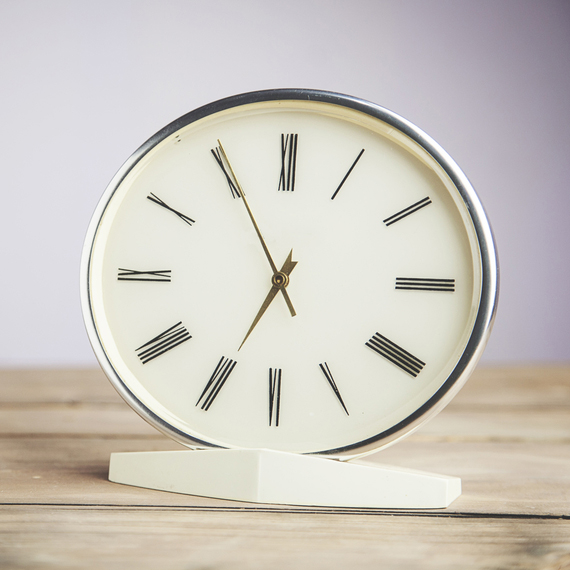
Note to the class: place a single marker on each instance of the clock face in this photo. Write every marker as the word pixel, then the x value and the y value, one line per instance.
pixel 288 272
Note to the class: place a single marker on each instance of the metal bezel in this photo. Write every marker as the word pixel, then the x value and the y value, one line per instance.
pixel 489 265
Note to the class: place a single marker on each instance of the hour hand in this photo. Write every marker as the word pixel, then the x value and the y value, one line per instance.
pixel 279 281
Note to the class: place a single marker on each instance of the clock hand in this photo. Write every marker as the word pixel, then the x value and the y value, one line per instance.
pixel 257 230
pixel 279 281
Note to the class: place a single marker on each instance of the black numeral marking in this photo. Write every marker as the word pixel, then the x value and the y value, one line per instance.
pixel 162 343
pixel 396 354
pixel 347 175
pixel 288 162
pixel 407 211
pixel 160 275
pixel 425 284
pixel 154 198
pixel 218 155
pixel 328 375
pixel 216 382
pixel 274 396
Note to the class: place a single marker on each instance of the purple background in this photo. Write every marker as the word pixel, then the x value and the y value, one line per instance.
pixel 83 84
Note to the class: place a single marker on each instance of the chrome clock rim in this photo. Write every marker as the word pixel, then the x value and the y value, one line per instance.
pixel 487 251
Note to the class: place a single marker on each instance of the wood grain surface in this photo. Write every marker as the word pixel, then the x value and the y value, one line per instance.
pixel 507 435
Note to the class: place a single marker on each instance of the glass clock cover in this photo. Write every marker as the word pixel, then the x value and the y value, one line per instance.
pixel 290 269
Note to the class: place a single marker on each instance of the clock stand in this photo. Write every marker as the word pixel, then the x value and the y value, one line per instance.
pixel 276 477
pixel 357 193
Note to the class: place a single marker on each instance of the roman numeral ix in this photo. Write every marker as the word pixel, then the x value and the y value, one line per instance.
pixel 328 375
pixel 216 382
pixel 288 162
pixel 274 396
pixel 219 156
pixel 160 275
pixel 154 198
pixel 163 342
pixel 407 211
pixel 396 354
pixel 347 175
pixel 425 284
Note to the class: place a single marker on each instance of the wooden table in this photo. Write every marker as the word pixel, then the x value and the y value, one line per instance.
pixel 507 435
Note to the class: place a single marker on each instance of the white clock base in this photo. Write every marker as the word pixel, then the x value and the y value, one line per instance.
pixel 264 476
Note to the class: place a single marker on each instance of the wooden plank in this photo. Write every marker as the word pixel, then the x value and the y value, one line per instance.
pixel 506 435
pixel 67 385
pixel 515 479
pixel 509 386
pixel 495 423
pixel 517 386
pixel 75 420
pixel 479 423
pixel 88 538
pixel 504 405
pixel 457 423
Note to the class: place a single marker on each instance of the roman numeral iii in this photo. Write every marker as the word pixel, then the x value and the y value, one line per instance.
pixel 163 342
pixel 425 284
pixel 328 375
pixel 407 211
pixel 274 396
pixel 288 162
pixel 154 198
pixel 396 354
pixel 160 275
pixel 216 382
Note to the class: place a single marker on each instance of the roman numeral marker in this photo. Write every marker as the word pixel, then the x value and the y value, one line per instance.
pixel 163 342
pixel 288 162
pixel 407 211
pixel 396 354
pixel 274 396
pixel 154 198
pixel 421 284
pixel 160 275
pixel 347 174
pixel 218 155
pixel 216 382
pixel 328 375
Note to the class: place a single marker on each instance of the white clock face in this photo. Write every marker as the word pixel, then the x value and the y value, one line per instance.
pixel 386 287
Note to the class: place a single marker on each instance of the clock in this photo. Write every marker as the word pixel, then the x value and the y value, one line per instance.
pixel 292 270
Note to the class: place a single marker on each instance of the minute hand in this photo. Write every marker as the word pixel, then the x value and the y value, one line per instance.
pixel 257 230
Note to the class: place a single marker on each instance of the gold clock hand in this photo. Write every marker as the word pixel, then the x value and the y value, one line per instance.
pixel 279 281
pixel 257 230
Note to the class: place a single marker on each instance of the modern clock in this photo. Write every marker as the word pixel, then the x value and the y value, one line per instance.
pixel 289 270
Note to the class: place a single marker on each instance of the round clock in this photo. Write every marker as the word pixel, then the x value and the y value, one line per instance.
pixel 292 269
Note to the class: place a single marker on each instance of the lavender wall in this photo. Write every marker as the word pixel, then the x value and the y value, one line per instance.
pixel 82 84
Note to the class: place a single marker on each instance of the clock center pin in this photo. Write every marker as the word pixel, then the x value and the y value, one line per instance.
pixel 280 279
